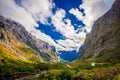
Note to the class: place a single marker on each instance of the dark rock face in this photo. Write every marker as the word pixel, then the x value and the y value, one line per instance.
pixel 105 34
pixel 7 27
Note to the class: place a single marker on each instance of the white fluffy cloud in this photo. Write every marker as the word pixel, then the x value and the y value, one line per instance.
pixel 77 13
pixel 93 9
pixel 39 9
pixel 10 10
pixel 28 14
pixel 63 25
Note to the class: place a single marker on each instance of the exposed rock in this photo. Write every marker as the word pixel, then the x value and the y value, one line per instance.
pixel 105 34
pixel 9 28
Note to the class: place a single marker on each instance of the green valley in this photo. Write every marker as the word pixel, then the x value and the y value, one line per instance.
pixel 24 57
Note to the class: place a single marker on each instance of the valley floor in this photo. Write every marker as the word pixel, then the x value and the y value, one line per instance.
pixel 77 70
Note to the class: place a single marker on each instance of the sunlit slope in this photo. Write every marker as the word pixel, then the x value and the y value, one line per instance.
pixel 16 41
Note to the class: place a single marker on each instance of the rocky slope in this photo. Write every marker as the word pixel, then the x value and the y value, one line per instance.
pixel 104 39
pixel 15 40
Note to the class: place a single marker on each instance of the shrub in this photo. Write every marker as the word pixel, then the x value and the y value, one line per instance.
pixel 42 66
pixel 65 75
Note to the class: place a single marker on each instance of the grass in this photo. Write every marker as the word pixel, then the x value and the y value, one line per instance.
pixel 13 67
pixel 97 73
pixel 83 72
pixel 111 56
pixel 28 53
pixel 59 72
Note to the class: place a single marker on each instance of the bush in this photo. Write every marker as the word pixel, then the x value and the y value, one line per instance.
pixel 65 75
pixel 98 74
pixel 117 77
pixel 42 66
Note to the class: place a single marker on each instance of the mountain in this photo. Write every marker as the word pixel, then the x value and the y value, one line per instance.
pixel 16 42
pixel 103 41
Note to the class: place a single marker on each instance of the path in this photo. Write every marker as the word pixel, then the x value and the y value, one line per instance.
pixel 32 76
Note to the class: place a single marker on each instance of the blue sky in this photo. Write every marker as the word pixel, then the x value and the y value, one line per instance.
pixel 62 23
pixel 67 4
pixel 60 4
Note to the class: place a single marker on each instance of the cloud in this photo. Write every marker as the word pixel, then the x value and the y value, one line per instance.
pixel 64 26
pixel 29 12
pixel 39 9
pixel 72 44
pixel 77 13
pixel 93 10
pixel 28 15
pixel 9 9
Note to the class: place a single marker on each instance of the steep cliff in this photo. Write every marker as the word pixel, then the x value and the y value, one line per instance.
pixel 16 41
pixel 104 39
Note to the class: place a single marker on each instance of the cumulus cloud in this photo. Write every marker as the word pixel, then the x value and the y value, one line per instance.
pixel 39 9
pixel 93 10
pixel 64 26
pixel 61 24
pixel 27 14
pixel 77 13
pixel 10 10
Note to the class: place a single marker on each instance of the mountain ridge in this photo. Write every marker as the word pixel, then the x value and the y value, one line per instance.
pixel 104 37
pixel 13 31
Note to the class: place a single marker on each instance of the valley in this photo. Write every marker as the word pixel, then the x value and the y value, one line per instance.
pixel 24 57
pixel 76 70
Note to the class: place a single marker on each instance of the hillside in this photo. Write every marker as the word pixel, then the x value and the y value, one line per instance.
pixel 104 41
pixel 16 42
pixel 23 57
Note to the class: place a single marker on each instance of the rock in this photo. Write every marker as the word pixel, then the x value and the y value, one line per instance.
pixel 104 37
pixel 13 31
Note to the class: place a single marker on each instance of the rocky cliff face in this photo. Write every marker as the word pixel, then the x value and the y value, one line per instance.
pixel 11 31
pixel 104 39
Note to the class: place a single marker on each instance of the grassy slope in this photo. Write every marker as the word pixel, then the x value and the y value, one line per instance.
pixel 81 69
pixel 17 59
pixel 13 66
pixel 111 57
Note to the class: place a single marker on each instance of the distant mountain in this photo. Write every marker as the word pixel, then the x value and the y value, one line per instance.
pixel 103 41
pixel 15 41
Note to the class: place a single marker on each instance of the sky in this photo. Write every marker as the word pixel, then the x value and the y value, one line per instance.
pixel 62 23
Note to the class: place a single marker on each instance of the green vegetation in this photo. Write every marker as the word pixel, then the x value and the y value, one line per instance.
pixel 107 67
pixel 12 68
pixel 112 56
pixel 65 75
pixel 97 73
